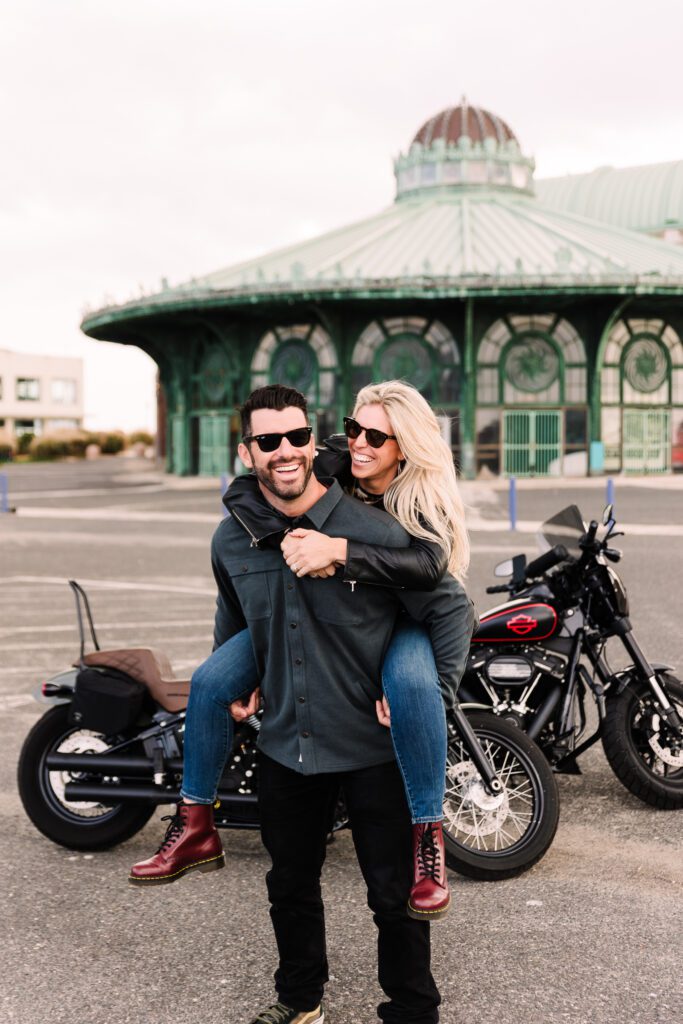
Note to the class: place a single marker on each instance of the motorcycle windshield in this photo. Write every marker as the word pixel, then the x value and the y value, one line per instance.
pixel 565 527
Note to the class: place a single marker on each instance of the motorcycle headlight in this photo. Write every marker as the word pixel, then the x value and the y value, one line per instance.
pixel 619 590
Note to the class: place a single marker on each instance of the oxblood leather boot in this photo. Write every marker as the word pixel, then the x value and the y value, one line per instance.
pixel 430 896
pixel 191 843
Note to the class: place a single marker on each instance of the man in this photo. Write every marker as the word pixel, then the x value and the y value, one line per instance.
pixel 319 645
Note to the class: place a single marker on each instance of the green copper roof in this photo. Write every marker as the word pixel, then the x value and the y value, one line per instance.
pixel 648 198
pixel 459 236
pixel 446 242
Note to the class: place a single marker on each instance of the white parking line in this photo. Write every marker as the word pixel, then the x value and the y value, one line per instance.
pixel 166 588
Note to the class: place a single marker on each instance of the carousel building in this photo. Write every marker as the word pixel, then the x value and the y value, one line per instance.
pixel 548 341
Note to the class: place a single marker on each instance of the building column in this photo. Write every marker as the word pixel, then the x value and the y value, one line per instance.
pixel 469 399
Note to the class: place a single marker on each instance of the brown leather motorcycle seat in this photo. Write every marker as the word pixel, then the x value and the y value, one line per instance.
pixel 148 666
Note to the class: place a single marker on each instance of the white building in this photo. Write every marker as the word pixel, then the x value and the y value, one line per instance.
pixel 39 394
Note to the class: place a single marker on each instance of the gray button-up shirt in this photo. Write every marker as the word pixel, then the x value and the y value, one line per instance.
pixel 319 643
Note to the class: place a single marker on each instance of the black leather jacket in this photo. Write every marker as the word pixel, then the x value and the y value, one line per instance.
pixel 418 567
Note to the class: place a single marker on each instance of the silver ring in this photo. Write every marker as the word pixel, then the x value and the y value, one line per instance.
pixel 295 568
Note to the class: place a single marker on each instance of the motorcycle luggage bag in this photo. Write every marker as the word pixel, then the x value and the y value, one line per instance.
pixel 106 700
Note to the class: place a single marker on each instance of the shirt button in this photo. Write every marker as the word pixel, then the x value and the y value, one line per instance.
pixel 293 625
pixel 290 586
pixel 302 700
pixel 305 735
pixel 297 661
pixel 245 568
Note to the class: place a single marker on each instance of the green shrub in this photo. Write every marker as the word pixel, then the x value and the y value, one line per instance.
pixel 48 447
pixel 24 442
pixel 111 442
pixel 6 451
pixel 141 437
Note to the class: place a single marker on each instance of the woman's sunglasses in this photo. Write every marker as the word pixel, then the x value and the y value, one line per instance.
pixel 298 438
pixel 373 436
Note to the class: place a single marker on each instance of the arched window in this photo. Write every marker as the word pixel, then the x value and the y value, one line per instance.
pixel 422 352
pixel 532 412
pixel 301 356
pixel 641 393
pixel 531 360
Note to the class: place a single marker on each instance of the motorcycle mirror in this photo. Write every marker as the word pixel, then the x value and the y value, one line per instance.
pixel 607 514
pixel 503 568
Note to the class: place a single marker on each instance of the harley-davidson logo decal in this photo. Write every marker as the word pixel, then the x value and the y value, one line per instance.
pixel 522 624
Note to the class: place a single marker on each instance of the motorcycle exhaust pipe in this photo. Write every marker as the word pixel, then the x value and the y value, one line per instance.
pixel 106 764
pixel 544 713
pixel 76 791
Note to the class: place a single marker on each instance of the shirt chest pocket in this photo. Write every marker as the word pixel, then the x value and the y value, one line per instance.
pixel 335 602
pixel 252 578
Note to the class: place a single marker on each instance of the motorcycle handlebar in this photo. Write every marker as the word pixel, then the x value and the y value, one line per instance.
pixel 544 562
pixel 501 589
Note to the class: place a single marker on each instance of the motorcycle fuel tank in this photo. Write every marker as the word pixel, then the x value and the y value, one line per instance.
pixel 517 621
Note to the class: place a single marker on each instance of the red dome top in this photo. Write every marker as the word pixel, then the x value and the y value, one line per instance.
pixel 475 122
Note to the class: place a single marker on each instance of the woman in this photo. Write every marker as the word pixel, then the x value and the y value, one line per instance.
pixel 396 459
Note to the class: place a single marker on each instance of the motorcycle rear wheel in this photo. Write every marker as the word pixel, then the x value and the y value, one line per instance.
pixel 636 747
pixel 78 826
pixel 494 837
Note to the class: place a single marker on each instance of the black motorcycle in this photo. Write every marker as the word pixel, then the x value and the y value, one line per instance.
pixel 535 660
pixel 110 749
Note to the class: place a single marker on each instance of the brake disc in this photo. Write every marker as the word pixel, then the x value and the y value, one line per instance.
pixel 663 753
pixel 488 811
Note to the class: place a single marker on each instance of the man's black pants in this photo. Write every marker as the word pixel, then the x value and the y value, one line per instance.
pixel 296 815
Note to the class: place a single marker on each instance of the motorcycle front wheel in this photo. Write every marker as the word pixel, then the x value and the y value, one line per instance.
pixel 76 825
pixel 643 753
pixel 491 837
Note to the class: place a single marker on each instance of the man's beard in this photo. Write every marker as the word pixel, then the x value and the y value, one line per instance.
pixel 281 488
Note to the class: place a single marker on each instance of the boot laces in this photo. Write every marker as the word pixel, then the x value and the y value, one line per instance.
pixel 428 854
pixel 174 830
pixel 277 1014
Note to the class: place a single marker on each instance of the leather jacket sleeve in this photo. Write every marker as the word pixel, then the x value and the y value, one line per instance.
pixel 419 567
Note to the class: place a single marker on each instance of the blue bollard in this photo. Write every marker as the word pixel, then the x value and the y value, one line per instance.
pixel 610 490
pixel 512 502
pixel 4 492
pixel 224 486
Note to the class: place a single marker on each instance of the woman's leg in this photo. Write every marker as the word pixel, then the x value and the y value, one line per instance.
pixel 192 842
pixel 418 729
pixel 228 674
pixel 418 718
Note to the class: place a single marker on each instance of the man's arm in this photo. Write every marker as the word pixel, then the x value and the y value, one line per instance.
pixel 229 616
pixel 449 616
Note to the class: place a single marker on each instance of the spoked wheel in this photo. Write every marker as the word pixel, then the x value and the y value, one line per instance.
pixel 494 836
pixel 76 825
pixel 644 753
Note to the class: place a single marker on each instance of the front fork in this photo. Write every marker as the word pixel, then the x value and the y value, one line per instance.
pixel 492 784
pixel 667 711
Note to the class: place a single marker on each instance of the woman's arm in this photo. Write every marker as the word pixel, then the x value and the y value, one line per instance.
pixel 419 567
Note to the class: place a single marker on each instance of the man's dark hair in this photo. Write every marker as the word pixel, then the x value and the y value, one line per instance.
pixel 271 396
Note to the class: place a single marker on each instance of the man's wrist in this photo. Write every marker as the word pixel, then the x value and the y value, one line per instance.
pixel 341 547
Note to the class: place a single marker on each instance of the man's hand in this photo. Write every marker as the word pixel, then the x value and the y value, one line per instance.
pixel 309 553
pixel 241 711
pixel 383 712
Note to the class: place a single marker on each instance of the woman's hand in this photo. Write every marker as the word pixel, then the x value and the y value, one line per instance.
pixel 309 553
pixel 240 711
pixel 383 712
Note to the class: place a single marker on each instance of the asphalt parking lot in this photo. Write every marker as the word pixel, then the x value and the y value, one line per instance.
pixel 592 934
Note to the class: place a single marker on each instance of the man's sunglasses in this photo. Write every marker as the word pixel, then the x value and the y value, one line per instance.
pixel 298 438
pixel 373 436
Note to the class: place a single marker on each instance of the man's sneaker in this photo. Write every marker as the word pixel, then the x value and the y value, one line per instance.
pixel 281 1014
pixel 191 843
pixel 430 896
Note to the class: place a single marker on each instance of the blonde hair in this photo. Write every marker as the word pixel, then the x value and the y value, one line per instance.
pixel 424 497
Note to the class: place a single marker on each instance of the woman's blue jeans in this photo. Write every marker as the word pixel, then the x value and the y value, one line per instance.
pixel 411 686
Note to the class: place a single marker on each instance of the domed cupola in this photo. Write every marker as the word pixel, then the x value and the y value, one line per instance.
pixel 463 147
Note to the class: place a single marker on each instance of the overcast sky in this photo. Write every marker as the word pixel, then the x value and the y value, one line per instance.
pixel 150 138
